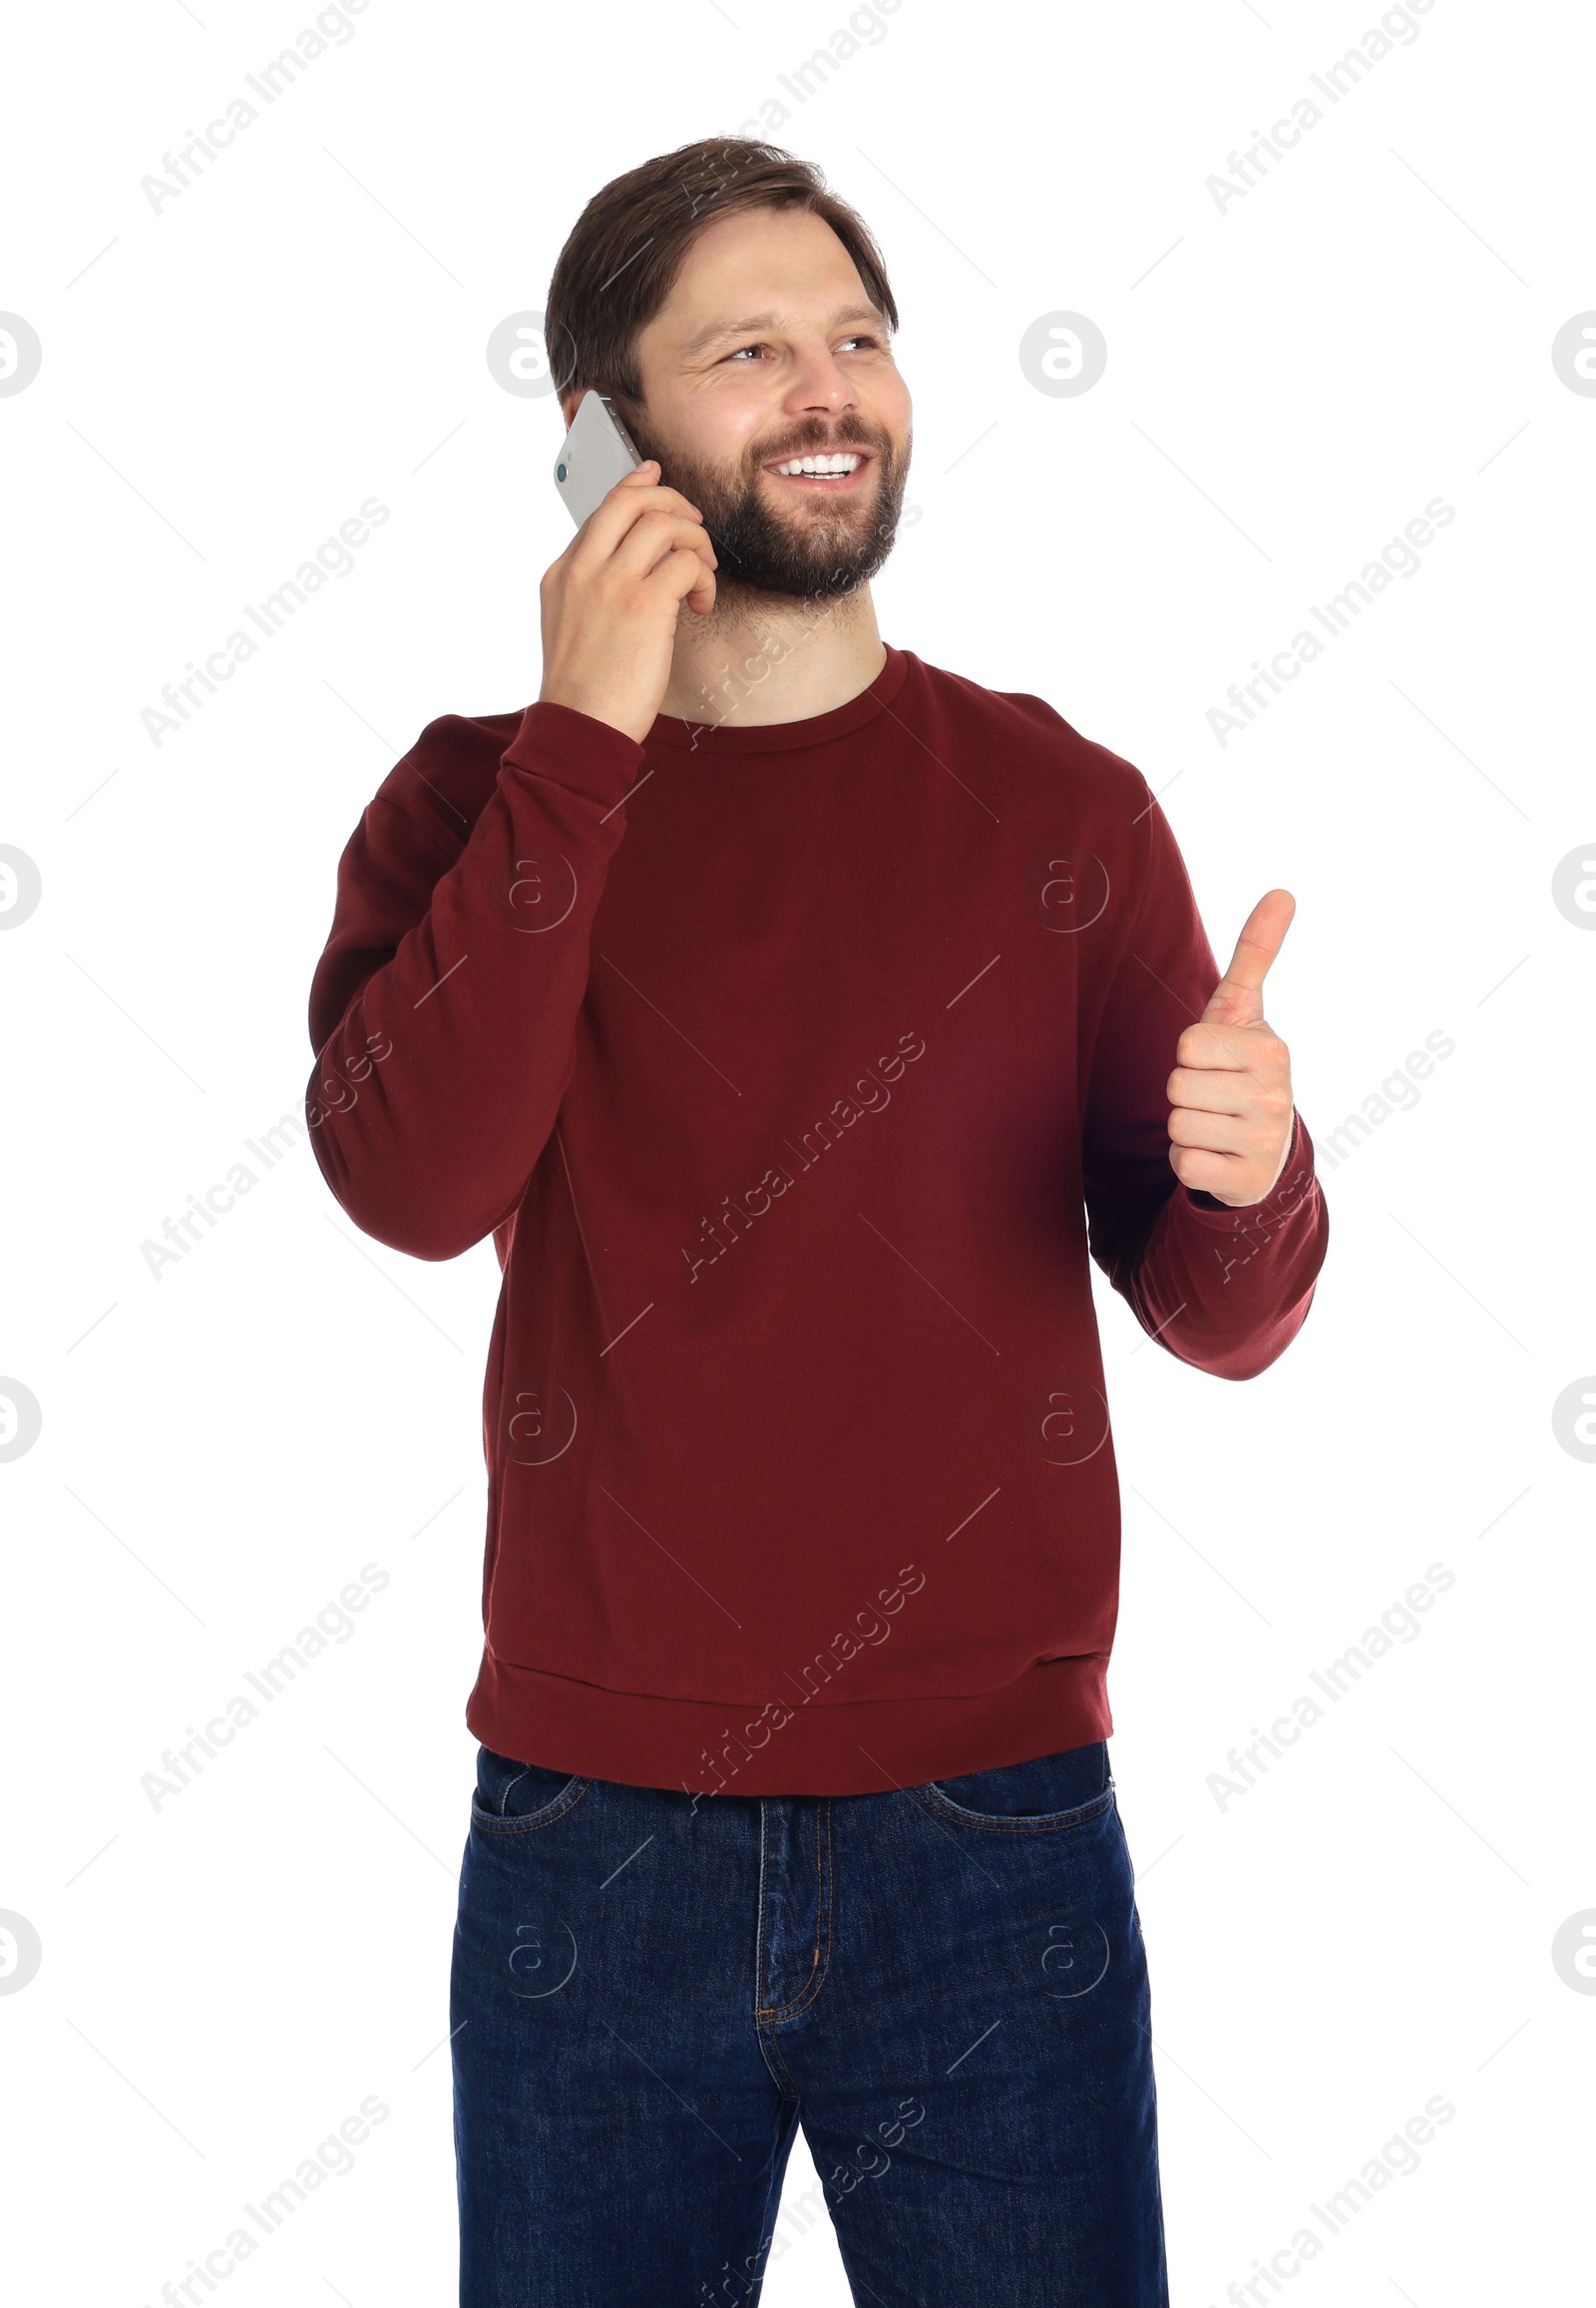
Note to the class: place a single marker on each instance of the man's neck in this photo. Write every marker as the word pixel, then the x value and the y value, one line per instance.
pixel 762 658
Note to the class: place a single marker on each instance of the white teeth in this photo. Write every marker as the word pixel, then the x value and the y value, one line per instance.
pixel 844 461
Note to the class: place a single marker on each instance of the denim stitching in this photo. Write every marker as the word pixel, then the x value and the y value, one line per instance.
pixel 770 2051
pixel 770 2045
pixel 491 1824
pixel 759 1926
pixel 1018 1823
pixel 824 1894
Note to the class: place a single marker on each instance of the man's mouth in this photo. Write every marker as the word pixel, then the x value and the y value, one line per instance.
pixel 831 473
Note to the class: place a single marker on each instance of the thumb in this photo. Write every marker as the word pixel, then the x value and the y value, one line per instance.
pixel 1238 997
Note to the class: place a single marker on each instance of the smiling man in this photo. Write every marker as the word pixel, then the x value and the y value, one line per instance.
pixel 800 1021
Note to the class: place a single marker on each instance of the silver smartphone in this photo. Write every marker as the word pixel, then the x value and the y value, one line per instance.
pixel 596 453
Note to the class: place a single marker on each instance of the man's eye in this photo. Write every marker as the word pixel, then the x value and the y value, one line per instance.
pixel 873 341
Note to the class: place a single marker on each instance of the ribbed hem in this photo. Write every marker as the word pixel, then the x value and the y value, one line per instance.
pixel 849 1748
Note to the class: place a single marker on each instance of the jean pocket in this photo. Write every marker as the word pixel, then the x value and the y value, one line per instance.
pixel 1047 1792
pixel 513 1797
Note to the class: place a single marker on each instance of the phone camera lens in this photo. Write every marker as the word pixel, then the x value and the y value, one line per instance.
pixel 560 472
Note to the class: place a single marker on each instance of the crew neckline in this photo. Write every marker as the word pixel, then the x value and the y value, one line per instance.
pixel 783 736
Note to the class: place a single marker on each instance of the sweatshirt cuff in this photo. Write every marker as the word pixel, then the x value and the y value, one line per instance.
pixel 573 750
pixel 1290 1190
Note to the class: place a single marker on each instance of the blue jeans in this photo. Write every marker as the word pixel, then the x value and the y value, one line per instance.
pixel 945 1984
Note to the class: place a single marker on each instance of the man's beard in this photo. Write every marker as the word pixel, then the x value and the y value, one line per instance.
pixel 817 558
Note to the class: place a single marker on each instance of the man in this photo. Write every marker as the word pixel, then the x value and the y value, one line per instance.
pixel 797 1017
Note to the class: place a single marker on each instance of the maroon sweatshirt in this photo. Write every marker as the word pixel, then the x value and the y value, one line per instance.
pixel 795 1070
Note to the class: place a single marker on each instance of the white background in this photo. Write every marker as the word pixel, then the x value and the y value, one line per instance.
pixel 1289 381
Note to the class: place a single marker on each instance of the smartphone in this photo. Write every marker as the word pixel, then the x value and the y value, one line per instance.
pixel 596 453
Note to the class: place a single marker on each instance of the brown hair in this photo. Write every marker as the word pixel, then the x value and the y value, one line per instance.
pixel 627 248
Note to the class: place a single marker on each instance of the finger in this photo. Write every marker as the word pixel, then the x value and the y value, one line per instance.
pixel 646 477
pixel 702 599
pixel 684 575
pixel 1209 1090
pixel 1237 998
pixel 638 492
pixel 1205 1173
pixel 650 539
pixel 1213 1133
pixel 1227 1048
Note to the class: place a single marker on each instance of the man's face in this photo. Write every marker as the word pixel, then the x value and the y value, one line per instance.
pixel 766 349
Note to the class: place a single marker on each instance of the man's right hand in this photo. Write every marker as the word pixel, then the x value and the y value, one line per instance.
pixel 610 602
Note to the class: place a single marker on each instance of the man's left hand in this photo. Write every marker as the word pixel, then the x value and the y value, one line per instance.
pixel 1230 1094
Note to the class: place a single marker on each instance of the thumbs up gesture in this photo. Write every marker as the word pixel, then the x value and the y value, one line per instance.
pixel 1230 1094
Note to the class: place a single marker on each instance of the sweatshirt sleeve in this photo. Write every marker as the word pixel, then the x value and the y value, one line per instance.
pixel 1224 1288
pixel 443 1010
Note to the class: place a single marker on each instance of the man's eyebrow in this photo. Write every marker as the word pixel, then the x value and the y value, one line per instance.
pixel 719 332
